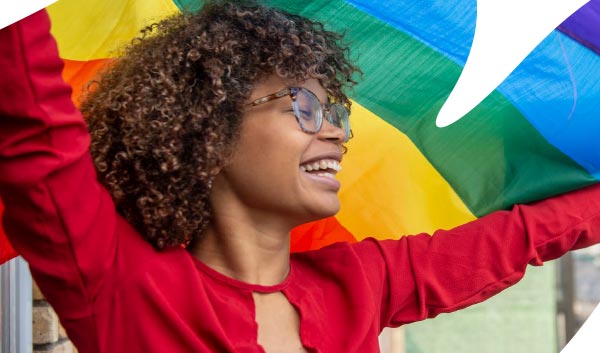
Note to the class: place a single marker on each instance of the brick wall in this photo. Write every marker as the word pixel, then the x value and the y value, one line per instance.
pixel 48 335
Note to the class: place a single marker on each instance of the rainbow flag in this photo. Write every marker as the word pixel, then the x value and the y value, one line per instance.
pixel 536 135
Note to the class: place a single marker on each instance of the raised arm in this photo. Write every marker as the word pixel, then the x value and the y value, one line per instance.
pixel 57 215
pixel 421 276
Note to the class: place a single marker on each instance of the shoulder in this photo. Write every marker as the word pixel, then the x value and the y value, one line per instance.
pixel 340 260
pixel 136 263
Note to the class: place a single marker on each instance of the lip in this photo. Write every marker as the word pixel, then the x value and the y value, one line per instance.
pixel 328 182
pixel 335 155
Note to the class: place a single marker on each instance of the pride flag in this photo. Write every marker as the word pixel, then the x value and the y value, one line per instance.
pixel 535 136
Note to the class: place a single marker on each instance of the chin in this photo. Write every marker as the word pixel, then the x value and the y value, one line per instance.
pixel 324 210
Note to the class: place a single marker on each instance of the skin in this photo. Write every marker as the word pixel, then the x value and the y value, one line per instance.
pixel 260 196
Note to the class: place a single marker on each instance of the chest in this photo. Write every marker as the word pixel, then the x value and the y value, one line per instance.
pixel 199 311
pixel 278 323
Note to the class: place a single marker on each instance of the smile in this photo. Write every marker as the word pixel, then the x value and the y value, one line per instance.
pixel 323 167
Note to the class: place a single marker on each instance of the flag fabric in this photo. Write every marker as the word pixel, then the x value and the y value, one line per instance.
pixel 533 137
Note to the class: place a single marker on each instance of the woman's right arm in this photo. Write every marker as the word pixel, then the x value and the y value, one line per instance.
pixel 57 215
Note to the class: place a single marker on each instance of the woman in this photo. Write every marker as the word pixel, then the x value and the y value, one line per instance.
pixel 213 136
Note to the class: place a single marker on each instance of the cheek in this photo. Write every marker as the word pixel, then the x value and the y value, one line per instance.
pixel 266 175
pixel 268 153
pixel 257 158
pixel 274 142
pixel 258 181
pixel 267 163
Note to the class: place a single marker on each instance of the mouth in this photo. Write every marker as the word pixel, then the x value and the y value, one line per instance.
pixel 325 167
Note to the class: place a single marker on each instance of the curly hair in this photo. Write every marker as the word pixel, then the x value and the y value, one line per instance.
pixel 165 116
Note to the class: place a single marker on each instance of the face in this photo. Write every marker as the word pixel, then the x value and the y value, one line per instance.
pixel 278 170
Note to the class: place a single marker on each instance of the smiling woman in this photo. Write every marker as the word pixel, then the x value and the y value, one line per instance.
pixel 198 92
pixel 212 137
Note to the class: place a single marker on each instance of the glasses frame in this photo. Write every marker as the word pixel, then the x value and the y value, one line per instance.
pixel 292 92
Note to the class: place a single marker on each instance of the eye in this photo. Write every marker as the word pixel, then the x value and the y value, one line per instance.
pixel 305 113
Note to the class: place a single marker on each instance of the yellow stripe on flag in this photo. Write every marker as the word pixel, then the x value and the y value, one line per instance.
pixel 387 183
pixel 98 29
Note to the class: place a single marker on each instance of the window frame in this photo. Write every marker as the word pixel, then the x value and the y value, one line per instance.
pixel 15 307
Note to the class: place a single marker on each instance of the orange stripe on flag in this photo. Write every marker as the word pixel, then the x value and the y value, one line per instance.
pixel 79 74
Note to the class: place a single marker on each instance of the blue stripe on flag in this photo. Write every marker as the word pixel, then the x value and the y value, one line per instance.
pixel 559 70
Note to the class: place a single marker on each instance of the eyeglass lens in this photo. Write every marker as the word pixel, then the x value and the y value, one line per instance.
pixel 309 112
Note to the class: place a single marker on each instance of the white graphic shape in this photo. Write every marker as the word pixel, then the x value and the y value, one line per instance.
pixel 505 33
pixel 13 10
pixel 586 339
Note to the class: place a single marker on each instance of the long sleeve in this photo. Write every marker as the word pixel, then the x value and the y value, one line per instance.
pixel 57 216
pixel 421 276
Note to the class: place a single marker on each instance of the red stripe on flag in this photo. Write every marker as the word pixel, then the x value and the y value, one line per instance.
pixel 6 250
pixel 315 235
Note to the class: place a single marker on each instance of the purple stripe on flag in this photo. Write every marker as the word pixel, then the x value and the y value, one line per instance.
pixel 584 25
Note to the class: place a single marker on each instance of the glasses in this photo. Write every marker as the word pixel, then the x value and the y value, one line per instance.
pixel 309 111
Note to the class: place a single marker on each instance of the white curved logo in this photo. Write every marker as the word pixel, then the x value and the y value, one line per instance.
pixel 506 32
pixel 12 11
pixel 585 341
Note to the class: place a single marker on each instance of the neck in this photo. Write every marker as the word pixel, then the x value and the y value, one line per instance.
pixel 249 249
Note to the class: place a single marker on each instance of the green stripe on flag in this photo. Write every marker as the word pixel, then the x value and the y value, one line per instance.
pixel 188 5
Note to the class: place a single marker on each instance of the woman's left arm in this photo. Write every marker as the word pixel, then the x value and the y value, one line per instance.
pixel 419 277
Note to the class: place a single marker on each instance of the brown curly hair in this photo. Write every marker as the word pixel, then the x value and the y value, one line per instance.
pixel 165 116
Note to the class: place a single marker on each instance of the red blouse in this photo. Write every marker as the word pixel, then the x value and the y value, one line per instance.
pixel 114 293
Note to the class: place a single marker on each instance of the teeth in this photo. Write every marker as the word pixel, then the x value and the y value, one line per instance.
pixel 334 165
pixel 329 175
pixel 323 164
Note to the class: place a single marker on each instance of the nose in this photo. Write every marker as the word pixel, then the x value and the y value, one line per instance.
pixel 333 133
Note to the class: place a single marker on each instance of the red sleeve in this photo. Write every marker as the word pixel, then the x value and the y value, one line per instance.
pixel 57 215
pixel 421 276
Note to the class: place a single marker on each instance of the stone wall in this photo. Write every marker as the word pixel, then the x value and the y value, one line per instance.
pixel 48 335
